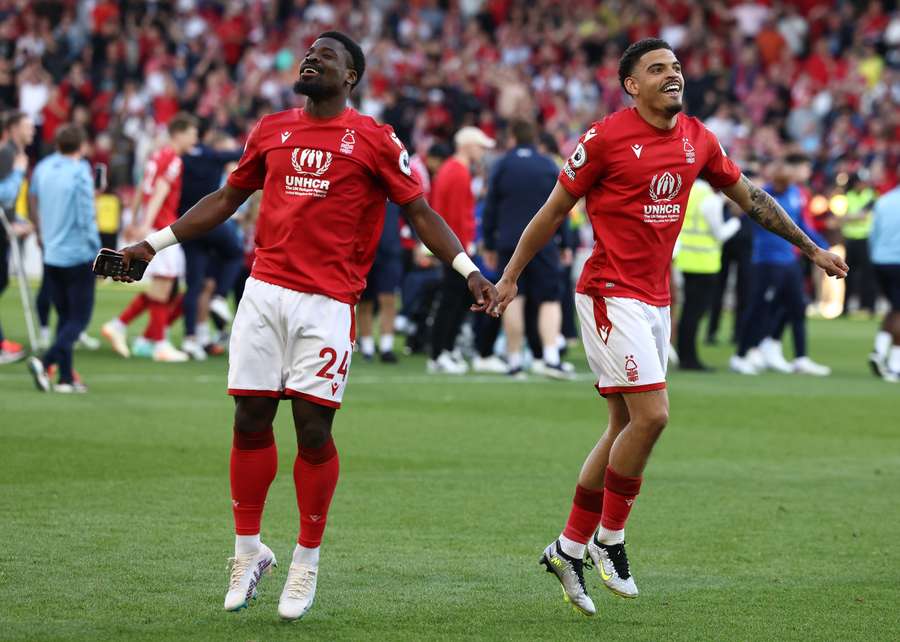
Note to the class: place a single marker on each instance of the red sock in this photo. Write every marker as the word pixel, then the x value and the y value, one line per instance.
pixel 254 461
pixel 315 477
pixel 159 315
pixel 135 309
pixel 176 307
pixel 618 496
pixel 585 515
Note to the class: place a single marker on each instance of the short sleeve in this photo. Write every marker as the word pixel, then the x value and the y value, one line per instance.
pixel 584 166
pixel 719 171
pixel 392 167
pixel 173 169
pixel 250 173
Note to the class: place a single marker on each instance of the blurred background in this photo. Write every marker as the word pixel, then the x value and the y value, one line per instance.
pixel 816 82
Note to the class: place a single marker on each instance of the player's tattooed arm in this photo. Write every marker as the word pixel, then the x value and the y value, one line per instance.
pixel 765 210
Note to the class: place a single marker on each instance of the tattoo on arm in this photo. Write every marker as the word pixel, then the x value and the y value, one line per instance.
pixel 766 211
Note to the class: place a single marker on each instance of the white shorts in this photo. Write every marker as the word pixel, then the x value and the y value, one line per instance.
pixel 626 342
pixel 168 264
pixel 290 344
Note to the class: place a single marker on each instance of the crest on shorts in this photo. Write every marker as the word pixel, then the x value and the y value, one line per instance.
pixel 631 369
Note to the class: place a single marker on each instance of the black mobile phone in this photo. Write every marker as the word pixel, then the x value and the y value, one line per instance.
pixel 100 177
pixel 110 263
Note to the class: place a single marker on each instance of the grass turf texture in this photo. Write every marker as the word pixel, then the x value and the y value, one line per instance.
pixel 769 509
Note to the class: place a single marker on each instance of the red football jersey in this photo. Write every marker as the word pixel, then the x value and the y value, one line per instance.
pixel 325 187
pixel 163 164
pixel 636 180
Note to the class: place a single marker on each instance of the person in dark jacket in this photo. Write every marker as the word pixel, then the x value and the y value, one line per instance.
pixel 519 184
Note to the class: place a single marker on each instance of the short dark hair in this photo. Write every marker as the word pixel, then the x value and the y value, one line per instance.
pixel 69 138
pixel 634 52
pixel 523 131
pixel 356 53
pixel 182 121
pixel 13 118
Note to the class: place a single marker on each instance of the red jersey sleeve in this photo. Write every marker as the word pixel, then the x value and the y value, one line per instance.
pixel 173 169
pixel 392 167
pixel 251 170
pixel 584 166
pixel 719 171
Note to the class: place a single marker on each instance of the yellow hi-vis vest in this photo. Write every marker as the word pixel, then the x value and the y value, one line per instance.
pixel 856 201
pixel 700 252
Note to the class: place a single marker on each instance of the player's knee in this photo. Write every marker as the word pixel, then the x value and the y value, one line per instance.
pixel 654 421
pixel 253 415
pixel 313 434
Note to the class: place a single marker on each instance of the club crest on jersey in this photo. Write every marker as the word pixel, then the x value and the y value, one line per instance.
pixel 690 156
pixel 348 142
pixel 664 188
pixel 311 165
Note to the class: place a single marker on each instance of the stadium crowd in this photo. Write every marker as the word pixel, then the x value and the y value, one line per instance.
pixel 814 82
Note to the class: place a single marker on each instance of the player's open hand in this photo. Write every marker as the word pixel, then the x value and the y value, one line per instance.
pixel 483 291
pixel 139 251
pixel 507 290
pixel 831 263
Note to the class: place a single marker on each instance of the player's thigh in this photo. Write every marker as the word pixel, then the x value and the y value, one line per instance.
pixel 256 353
pixel 648 408
pixel 320 350
pixel 620 345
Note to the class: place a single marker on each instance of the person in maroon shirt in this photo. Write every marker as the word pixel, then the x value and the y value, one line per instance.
pixel 452 196
pixel 325 172
pixel 636 169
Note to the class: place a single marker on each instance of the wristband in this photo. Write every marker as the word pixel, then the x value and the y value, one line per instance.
pixel 463 264
pixel 161 239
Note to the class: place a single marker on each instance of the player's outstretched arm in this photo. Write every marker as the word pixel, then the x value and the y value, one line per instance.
pixel 210 211
pixel 440 239
pixel 765 210
pixel 537 234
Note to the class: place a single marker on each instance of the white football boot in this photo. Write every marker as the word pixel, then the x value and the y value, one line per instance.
pixel 741 365
pixel 87 342
pixel 192 348
pixel 492 364
pixel 165 352
pixel 805 365
pixel 570 573
pixel 246 572
pixel 773 357
pixel 612 564
pixel 114 332
pixel 299 591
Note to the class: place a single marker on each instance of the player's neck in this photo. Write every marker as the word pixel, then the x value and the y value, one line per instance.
pixel 657 119
pixel 326 108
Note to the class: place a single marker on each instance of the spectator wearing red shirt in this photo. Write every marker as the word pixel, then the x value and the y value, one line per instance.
pixel 452 198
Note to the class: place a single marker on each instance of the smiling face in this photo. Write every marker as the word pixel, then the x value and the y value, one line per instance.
pixel 326 70
pixel 656 82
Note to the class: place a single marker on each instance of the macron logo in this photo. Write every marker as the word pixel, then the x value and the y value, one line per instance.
pixel 637 149
pixel 285 136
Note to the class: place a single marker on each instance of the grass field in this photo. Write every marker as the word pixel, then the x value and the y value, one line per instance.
pixel 769 510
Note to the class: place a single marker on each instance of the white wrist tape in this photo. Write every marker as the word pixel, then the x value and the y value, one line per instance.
pixel 161 239
pixel 463 264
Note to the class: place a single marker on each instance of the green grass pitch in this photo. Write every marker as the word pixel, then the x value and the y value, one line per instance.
pixel 769 510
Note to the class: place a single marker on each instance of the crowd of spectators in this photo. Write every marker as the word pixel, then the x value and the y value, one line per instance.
pixel 820 76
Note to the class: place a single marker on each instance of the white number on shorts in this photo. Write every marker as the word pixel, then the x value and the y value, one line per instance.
pixel 331 355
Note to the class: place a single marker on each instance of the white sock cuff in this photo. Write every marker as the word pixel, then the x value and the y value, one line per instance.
pixel 367 345
pixel 571 547
pixel 306 556
pixel 386 343
pixel 607 536
pixel 244 544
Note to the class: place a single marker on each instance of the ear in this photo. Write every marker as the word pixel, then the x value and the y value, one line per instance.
pixel 351 77
pixel 631 86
